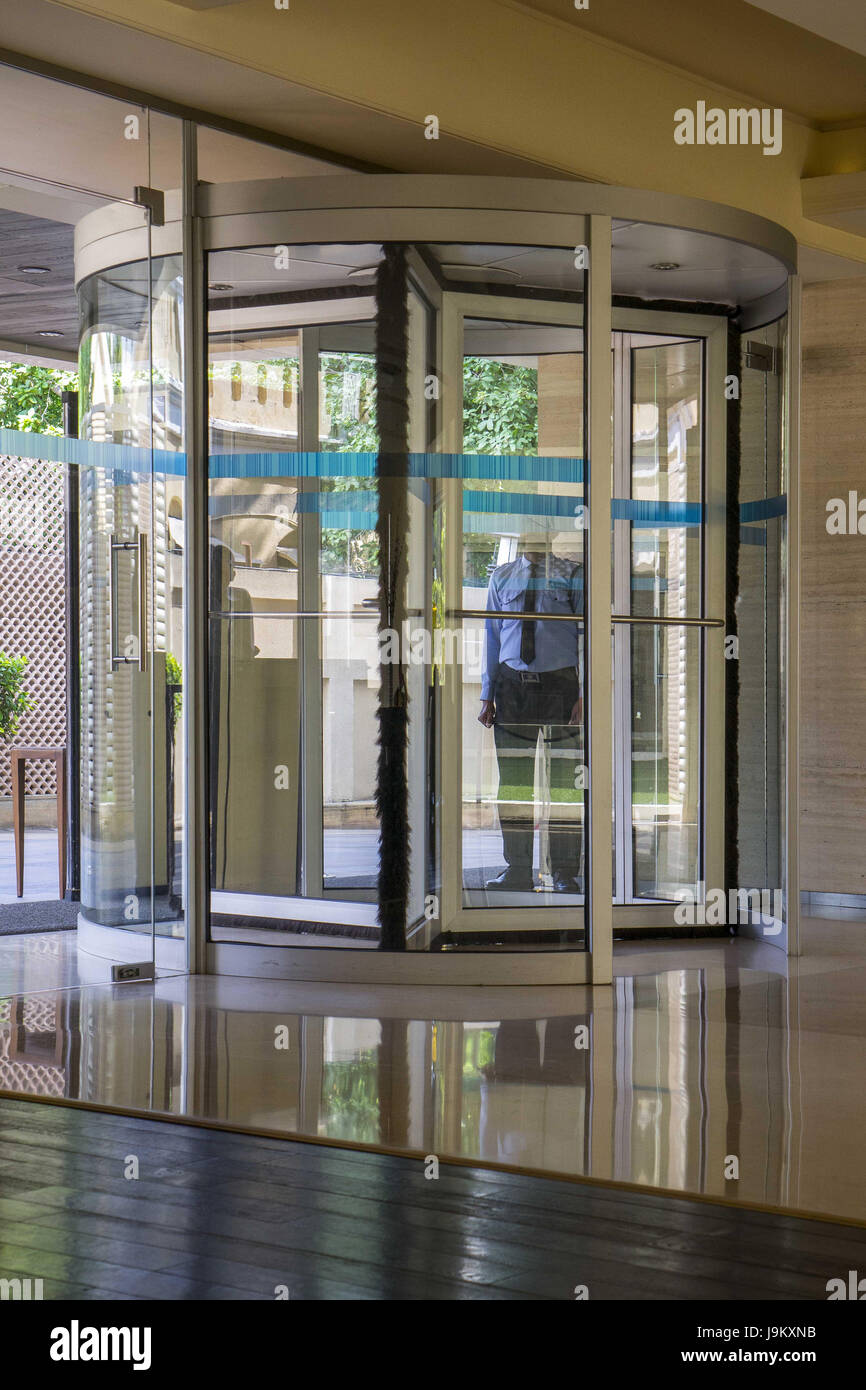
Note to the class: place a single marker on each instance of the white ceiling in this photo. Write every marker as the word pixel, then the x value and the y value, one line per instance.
pixel 708 268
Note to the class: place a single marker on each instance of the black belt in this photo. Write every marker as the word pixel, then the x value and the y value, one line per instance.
pixel 536 677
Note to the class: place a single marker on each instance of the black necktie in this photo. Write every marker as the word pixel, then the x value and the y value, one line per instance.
pixel 527 628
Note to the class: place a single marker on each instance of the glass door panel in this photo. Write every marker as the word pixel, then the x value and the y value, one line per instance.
pixel 665 760
pixel 255 637
pixel 294 557
pixel 347 588
pixel 658 578
pixel 522 553
pixel 666 478
pixel 296 659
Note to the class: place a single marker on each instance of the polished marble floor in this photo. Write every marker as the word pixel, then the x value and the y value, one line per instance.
pixel 719 1068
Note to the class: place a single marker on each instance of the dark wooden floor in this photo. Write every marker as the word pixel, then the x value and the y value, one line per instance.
pixel 215 1215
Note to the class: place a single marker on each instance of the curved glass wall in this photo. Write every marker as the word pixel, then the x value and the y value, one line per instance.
pixel 762 617
pixel 698 525
pixel 131 622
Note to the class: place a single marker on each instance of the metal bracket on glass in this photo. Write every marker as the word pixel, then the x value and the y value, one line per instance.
pixel 761 357
pixel 154 200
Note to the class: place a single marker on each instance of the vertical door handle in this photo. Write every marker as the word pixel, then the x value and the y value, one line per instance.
pixel 117 659
pixel 142 600
pixel 112 546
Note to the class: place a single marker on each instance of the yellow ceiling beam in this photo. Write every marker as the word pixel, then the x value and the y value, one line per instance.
pixel 500 75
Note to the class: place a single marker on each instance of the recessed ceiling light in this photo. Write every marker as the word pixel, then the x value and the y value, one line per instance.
pixel 48 333
pixel 665 265
pixel 33 270
pixel 219 287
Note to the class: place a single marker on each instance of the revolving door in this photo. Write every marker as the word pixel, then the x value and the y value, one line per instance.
pixel 497 566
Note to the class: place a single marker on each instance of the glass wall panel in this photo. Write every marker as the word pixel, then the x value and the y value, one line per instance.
pixel 132 597
pixel 761 621
pixel 131 384
pixel 121 327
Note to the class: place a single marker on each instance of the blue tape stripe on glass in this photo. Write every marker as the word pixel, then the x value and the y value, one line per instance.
pixel 507 468
pixel 764 509
pixel 287 464
pixel 521 504
pixel 657 513
pixel 292 465
pixel 499 467
pixel 82 453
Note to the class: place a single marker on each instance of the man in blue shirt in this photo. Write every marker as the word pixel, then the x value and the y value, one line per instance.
pixel 532 682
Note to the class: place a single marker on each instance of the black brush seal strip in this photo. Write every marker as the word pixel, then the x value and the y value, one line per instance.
pixel 732 590
pixel 392 525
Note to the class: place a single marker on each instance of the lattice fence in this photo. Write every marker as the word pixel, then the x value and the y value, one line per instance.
pixel 32 605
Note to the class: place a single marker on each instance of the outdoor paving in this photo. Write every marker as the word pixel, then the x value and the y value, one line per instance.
pixel 40 866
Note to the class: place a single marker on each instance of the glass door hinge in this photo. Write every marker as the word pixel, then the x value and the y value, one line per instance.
pixel 154 200
pixel 761 357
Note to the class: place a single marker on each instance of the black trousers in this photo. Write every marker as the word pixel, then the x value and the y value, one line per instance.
pixel 522 709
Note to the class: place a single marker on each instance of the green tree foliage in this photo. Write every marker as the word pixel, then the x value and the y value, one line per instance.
pixel 30 397
pixel 500 407
pixel 14 699
pixel 174 677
